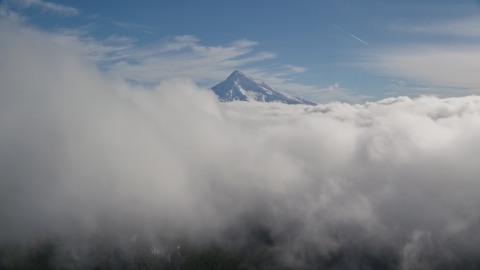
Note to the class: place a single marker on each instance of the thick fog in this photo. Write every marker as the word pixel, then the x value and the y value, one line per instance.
pixel 387 184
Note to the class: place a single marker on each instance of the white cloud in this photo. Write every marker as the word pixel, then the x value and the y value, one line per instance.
pixel 445 66
pixel 399 175
pixel 329 180
pixel 296 69
pixel 47 6
pixel 462 27
pixel 180 56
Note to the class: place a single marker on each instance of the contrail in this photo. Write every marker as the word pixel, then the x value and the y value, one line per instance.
pixel 352 35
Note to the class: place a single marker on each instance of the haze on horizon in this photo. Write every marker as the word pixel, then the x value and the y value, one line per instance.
pixel 115 154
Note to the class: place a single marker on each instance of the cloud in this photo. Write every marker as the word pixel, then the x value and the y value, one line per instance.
pixel 296 69
pixel 47 6
pixel 463 27
pixel 84 154
pixel 332 87
pixel 391 93
pixel 446 69
pixel 180 56
pixel 139 27
pixel 186 59
pixel 444 66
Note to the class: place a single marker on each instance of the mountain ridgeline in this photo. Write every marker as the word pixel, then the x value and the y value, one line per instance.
pixel 238 87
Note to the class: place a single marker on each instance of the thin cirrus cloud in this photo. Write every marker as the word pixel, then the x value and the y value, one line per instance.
pixel 452 66
pixel 448 68
pixel 464 27
pixel 47 6
pixel 136 26
pixel 183 56
pixel 180 56
pixel 296 68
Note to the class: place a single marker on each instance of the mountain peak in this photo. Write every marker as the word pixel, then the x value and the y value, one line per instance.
pixel 237 74
pixel 242 88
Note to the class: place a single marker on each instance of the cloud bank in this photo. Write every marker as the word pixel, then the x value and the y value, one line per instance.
pixel 391 184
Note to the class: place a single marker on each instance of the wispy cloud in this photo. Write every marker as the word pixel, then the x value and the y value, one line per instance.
pixel 183 56
pixel 296 69
pixel 448 68
pixel 454 67
pixel 135 26
pixel 462 27
pixel 405 86
pixel 47 7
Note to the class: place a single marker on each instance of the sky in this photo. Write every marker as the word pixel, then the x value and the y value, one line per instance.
pixel 327 50
pixel 112 144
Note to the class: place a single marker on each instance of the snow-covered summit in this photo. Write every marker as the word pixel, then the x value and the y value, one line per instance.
pixel 243 88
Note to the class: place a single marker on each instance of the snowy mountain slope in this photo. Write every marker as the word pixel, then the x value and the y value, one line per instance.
pixel 240 87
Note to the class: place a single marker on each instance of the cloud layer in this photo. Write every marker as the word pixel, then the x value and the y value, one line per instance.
pixel 387 184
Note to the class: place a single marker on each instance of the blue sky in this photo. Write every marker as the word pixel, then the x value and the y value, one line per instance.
pixel 346 50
